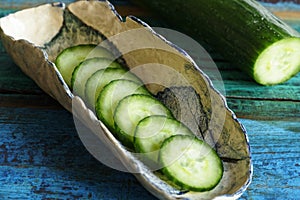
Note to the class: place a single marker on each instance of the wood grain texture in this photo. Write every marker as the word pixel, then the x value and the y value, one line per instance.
pixel 41 156
pixel 276 149
pixel 244 97
pixel 39 160
pixel 12 79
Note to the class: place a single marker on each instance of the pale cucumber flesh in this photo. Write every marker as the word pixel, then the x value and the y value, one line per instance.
pixel 110 96
pixel 190 163
pixel 241 31
pixel 279 62
pixel 152 131
pixel 69 58
pixel 131 110
pixel 86 69
pixel 139 120
pixel 101 78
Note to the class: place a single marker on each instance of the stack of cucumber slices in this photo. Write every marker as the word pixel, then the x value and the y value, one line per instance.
pixel 137 119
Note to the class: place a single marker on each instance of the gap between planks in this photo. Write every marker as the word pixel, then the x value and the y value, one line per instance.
pixel 28 101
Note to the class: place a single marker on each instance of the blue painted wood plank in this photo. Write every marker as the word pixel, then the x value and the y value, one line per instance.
pixel 276 155
pixel 264 108
pixel 51 183
pixel 41 156
pixel 12 79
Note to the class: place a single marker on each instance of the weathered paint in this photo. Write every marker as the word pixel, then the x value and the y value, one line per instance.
pixel 41 156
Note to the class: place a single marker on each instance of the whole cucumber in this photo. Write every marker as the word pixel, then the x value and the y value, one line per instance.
pixel 242 31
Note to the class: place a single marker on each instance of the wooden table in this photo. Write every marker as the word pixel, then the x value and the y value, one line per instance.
pixel 41 156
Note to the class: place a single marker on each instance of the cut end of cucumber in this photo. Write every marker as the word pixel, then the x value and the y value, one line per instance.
pixel 278 63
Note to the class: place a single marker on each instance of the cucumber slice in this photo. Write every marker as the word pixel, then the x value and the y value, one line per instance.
pixel 70 57
pixel 131 110
pixel 111 95
pixel 102 77
pixel 190 163
pixel 86 69
pixel 153 130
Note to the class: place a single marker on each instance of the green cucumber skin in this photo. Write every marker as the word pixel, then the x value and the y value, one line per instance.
pixel 96 82
pixel 61 57
pixel 238 29
pixel 121 134
pixel 106 92
pixel 77 54
pixel 166 123
pixel 97 63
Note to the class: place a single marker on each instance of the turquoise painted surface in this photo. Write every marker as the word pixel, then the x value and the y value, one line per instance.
pixel 41 156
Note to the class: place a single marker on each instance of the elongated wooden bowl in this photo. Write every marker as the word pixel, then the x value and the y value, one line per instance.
pixel 34 37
